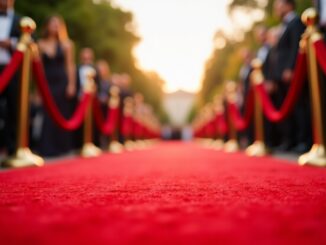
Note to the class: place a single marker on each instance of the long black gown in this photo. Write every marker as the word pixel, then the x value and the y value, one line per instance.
pixel 55 141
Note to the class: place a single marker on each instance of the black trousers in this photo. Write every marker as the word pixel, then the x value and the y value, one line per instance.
pixel 296 128
pixel 9 114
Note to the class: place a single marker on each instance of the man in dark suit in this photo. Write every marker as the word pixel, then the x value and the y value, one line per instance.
pixel 9 35
pixel 296 129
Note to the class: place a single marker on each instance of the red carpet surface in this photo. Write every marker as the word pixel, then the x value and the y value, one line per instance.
pixel 174 193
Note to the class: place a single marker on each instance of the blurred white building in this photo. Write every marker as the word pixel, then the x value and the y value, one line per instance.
pixel 178 106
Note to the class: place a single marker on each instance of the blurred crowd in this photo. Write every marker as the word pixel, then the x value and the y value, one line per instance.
pixel 278 51
pixel 65 80
pixel 279 46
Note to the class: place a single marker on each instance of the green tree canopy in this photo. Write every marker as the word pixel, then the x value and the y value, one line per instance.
pixel 107 30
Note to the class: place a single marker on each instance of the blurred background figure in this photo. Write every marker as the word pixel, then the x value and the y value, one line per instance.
pixel 261 35
pixel 124 83
pixel 272 130
pixel 104 76
pixel 86 63
pixel 9 35
pixel 296 129
pixel 246 137
pixel 57 52
pixel 267 55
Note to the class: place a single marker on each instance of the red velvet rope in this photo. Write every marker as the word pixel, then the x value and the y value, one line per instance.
pixel 108 125
pixel 210 129
pixel 68 124
pixel 10 69
pixel 126 129
pixel 138 130
pixel 239 122
pixel 222 127
pixel 320 48
pixel 295 89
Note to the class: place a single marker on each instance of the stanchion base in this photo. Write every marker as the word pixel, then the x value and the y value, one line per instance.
pixel 23 158
pixel 257 149
pixel 231 146
pixel 140 145
pixel 115 147
pixel 129 145
pixel 218 145
pixel 315 157
pixel 90 150
pixel 207 143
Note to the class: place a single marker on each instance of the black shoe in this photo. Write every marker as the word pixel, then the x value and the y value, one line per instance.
pixel 286 146
pixel 301 148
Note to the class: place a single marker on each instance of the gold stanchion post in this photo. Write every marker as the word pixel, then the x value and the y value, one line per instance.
pixel 258 148
pixel 317 155
pixel 23 156
pixel 88 148
pixel 115 146
pixel 232 144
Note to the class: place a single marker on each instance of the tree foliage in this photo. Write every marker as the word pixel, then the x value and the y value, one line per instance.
pixel 107 30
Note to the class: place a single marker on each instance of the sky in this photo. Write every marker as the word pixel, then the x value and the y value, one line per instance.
pixel 176 37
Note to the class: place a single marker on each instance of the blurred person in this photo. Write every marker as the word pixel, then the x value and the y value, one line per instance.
pixel 267 54
pixel 36 120
pixel 104 76
pixel 261 35
pixel 245 70
pixel 124 85
pixel 123 82
pixel 246 137
pixel 272 38
pixel 57 52
pixel 86 62
pixel 9 35
pixel 296 128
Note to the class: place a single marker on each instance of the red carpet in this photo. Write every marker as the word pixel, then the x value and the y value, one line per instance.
pixel 172 194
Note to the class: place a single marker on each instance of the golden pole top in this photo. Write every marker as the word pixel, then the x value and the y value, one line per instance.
pixel 257 76
pixel 310 17
pixel 256 63
pixel 218 104
pixel 89 86
pixel 27 25
pixel 114 100
pixel 231 91
pixel 114 91
pixel 128 106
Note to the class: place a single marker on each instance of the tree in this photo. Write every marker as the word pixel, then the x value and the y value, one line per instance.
pixel 104 28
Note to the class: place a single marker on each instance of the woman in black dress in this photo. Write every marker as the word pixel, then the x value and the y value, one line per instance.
pixel 57 55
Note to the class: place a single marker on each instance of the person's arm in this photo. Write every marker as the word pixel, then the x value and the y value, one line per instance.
pixel 70 68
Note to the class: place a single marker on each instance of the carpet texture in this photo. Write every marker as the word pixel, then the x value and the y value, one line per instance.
pixel 174 193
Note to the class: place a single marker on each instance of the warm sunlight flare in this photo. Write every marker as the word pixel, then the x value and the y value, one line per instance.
pixel 177 37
